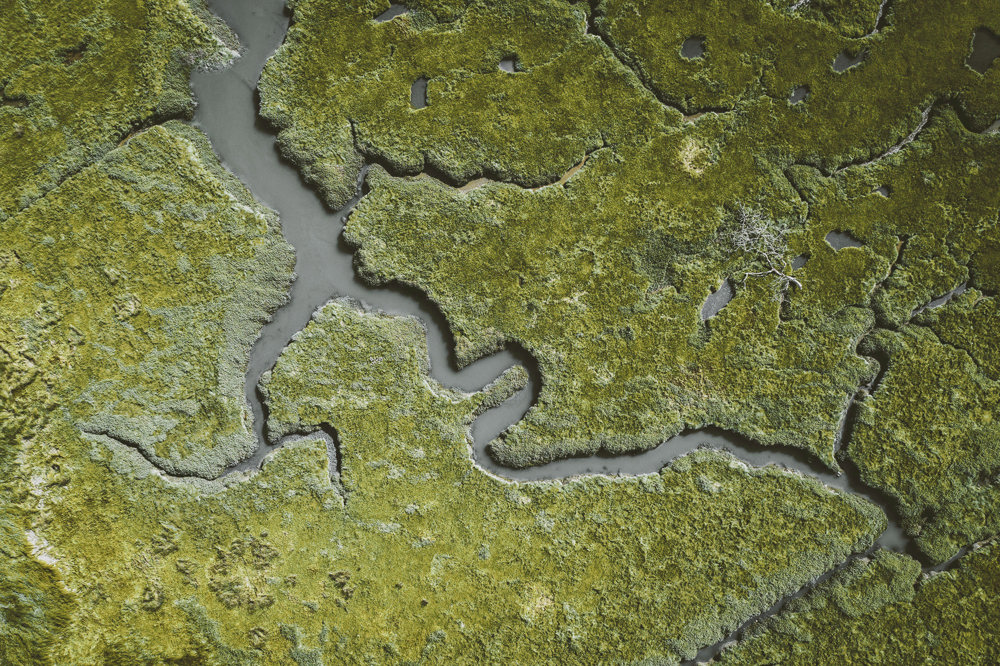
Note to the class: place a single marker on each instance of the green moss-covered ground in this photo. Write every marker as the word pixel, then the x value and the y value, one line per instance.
pixel 883 611
pixel 615 184
pixel 77 77
pixel 136 288
pixel 411 552
pixel 602 276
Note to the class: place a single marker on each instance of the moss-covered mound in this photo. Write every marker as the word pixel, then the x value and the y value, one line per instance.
pixel 602 275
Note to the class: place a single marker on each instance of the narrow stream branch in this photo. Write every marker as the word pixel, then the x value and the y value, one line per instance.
pixel 227 113
pixel 324 266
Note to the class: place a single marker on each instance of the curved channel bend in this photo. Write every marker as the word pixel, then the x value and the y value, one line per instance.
pixel 227 113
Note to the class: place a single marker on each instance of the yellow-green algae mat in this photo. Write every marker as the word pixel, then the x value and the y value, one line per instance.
pixel 131 289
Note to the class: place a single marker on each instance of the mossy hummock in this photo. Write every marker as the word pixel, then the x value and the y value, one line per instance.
pixel 76 78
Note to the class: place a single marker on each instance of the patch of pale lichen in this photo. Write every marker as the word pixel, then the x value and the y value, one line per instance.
pixel 882 611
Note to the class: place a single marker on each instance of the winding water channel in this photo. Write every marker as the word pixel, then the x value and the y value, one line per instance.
pixel 227 113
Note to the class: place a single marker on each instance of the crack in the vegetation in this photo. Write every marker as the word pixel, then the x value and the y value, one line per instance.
pixel 901 245
pixel 879 20
pixel 880 16
pixel 709 653
pixel 688 113
pixel 15 101
pixel 325 433
pixel 135 127
pixel 881 320
pixel 786 172
pixel 938 301
pixel 910 138
pixel 74 53
pixel 483 177
pixel 952 346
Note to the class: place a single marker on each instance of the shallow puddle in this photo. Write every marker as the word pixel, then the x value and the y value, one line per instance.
pixel 799 94
pixel 845 61
pixel 717 300
pixel 985 50
pixel 841 239
pixel 391 13
pixel 693 48
pixel 418 93
pixel 941 300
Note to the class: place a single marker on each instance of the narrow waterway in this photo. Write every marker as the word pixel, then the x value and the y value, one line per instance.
pixel 227 112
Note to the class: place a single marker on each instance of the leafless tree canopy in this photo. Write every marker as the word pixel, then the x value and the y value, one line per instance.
pixel 765 243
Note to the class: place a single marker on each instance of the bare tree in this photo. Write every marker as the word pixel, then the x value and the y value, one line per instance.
pixel 767 244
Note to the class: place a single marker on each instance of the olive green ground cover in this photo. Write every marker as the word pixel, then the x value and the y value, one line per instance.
pixel 119 294
pixel 407 553
pixel 77 77
pixel 927 433
pixel 602 276
pixel 883 611
pixel 137 285
pixel 930 437
pixel 135 289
